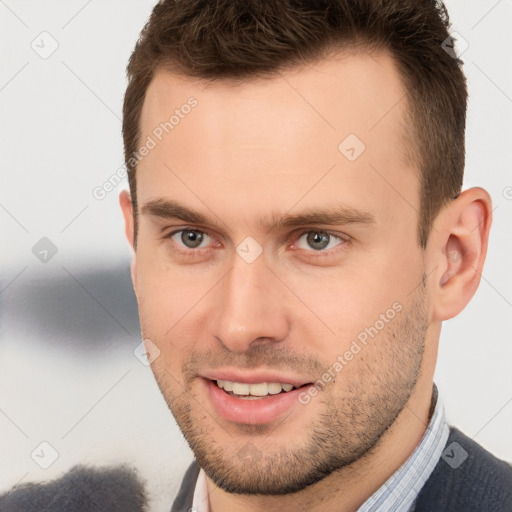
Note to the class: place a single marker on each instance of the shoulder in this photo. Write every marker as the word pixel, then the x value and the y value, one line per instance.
pixel 81 489
pixel 467 478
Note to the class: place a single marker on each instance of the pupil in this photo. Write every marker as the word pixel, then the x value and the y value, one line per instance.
pixel 318 240
pixel 192 239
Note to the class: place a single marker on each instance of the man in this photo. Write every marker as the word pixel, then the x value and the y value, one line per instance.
pixel 299 236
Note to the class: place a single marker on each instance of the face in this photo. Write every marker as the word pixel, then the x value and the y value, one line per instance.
pixel 277 269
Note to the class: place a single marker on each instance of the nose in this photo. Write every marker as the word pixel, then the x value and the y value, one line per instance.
pixel 250 307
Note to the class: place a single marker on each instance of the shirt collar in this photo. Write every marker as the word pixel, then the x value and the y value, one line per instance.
pixel 400 490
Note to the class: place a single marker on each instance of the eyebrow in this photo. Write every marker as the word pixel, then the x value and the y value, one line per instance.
pixel 336 215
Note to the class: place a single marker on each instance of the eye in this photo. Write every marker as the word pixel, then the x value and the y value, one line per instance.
pixel 318 240
pixel 190 238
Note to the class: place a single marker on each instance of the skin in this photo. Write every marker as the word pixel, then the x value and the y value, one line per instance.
pixel 255 151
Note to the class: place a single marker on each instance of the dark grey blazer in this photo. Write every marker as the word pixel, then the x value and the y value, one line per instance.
pixel 482 483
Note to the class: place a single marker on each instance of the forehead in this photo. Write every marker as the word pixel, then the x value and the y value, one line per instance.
pixel 350 90
pixel 332 129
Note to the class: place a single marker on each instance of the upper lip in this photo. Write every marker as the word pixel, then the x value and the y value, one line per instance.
pixel 254 377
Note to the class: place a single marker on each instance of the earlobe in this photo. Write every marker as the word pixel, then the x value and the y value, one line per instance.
pixel 461 247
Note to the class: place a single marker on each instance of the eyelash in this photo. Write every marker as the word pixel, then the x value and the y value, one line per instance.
pixel 343 240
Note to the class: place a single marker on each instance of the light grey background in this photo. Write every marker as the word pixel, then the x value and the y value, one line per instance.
pixel 68 375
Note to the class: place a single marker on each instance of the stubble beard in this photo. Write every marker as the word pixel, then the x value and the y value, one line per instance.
pixel 355 414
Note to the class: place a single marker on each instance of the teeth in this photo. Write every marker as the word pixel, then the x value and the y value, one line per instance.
pixel 240 389
pixel 260 389
pixel 274 388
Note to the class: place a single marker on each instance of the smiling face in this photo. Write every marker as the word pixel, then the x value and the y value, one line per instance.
pixel 277 248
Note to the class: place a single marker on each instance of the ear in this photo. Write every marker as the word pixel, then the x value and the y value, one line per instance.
pixel 459 246
pixel 125 201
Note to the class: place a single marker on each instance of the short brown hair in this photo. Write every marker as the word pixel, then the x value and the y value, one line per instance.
pixel 240 39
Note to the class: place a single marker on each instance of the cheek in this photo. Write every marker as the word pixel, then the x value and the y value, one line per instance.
pixel 165 293
pixel 173 308
pixel 355 298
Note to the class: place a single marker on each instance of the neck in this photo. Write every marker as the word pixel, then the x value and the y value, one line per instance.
pixel 348 488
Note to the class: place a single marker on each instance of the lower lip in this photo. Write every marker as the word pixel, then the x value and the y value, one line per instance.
pixel 255 411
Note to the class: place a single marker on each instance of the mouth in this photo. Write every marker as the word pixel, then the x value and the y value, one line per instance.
pixel 261 401
pixel 255 391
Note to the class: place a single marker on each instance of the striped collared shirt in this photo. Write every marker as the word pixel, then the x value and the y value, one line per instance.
pixel 400 490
